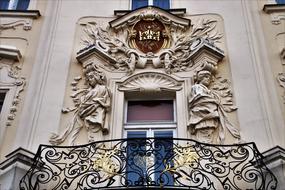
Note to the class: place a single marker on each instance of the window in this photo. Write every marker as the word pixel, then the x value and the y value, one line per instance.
pixel 280 1
pixel 164 4
pixel 2 97
pixel 14 4
pixel 149 119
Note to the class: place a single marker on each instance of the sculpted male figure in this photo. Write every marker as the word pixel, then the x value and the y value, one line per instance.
pixel 91 110
pixel 208 120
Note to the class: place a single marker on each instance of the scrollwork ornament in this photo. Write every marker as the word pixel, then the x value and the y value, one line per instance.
pixel 176 163
pixel 12 79
pixel 123 55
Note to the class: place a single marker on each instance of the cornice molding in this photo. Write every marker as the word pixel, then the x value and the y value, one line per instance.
pixel 150 11
pixel 19 155
pixel 270 8
pixel 177 12
pixel 10 52
pixel 34 14
pixel 274 154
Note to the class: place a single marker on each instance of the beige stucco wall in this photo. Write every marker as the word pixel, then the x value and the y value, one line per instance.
pixel 50 65
pixel 27 42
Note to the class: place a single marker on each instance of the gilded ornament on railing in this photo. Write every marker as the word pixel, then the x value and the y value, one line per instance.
pixel 104 161
pixel 184 156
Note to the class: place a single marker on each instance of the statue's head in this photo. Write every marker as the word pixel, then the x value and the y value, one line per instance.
pixel 204 77
pixel 94 75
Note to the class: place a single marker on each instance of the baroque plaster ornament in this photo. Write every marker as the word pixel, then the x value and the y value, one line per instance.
pixel 174 53
pixel 207 110
pixel 281 80
pixel 10 77
pixel 27 25
pixel 150 82
pixel 91 105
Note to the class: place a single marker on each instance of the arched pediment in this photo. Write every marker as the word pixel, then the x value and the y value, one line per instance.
pixel 150 12
pixel 150 82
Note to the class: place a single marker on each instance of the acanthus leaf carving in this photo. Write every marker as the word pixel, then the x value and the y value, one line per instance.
pixel 222 87
pixel 115 47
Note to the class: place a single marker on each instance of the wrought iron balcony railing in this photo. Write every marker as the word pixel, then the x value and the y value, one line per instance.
pixel 149 163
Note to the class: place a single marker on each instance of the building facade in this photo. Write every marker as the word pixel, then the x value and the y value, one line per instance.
pixel 77 72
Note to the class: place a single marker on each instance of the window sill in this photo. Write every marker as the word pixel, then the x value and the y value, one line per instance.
pixel 34 14
pixel 271 8
pixel 10 52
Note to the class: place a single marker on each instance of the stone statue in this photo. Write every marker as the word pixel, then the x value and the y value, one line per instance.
pixel 208 120
pixel 90 112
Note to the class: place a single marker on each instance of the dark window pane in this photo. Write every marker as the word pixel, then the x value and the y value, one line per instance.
pixel 164 4
pixel 23 4
pixel 148 111
pixel 163 156
pixel 136 162
pixel 4 4
pixel 2 97
pixel 280 1
pixel 139 3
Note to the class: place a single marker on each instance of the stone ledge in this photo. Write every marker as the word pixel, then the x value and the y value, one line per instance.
pixel 177 12
pixel 271 8
pixel 10 52
pixel 276 153
pixel 19 155
pixel 34 14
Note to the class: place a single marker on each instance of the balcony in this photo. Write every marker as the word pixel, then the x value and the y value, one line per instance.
pixel 149 163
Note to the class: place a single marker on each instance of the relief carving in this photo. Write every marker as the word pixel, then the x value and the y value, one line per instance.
pixel 281 80
pixel 207 106
pixel 10 77
pixel 27 25
pixel 277 17
pixel 150 82
pixel 91 105
pixel 165 46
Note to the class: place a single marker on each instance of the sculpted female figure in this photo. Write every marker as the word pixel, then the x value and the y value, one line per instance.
pixel 91 110
pixel 208 121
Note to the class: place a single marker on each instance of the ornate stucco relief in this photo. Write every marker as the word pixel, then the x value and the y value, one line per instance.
pixel 281 80
pixel 27 25
pixel 150 82
pixel 12 20
pixel 183 42
pixel 277 17
pixel 208 102
pixel 91 104
pixel 11 79
pixel 178 50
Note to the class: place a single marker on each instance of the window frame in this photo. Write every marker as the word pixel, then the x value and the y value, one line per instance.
pixel 151 124
pixel 150 3
pixel 13 4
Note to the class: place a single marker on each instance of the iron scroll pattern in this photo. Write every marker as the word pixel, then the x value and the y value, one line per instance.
pixel 149 163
